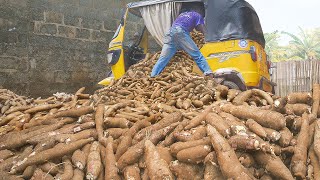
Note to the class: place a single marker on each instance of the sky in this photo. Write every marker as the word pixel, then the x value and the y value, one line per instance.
pixel 287 15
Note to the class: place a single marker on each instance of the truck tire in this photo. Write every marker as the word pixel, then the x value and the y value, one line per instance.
pixel 230 85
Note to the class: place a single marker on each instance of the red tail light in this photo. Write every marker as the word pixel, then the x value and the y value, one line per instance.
pixel 253 53
pixel 268 64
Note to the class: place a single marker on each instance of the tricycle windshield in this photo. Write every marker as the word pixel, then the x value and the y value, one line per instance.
pixel 232 19
pixel 133 30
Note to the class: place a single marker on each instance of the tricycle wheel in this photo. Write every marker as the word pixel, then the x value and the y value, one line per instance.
pixel 230 85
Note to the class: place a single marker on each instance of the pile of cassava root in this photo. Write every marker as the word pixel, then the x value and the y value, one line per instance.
pixel 175 126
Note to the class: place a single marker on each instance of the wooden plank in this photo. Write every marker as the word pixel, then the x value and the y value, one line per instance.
pixel 295 76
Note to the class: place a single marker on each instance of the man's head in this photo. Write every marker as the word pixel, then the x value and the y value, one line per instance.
pixel 194 6
pixel 199 8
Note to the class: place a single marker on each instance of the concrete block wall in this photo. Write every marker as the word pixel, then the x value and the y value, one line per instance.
pixel 49 46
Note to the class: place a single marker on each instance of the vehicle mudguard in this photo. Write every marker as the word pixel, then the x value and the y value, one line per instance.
pixel 231 75
pixel 265 80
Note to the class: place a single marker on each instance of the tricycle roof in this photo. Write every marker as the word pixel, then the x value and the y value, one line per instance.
pixel 152 2
pixel 232 19
pixel 225 19
pixel 134 6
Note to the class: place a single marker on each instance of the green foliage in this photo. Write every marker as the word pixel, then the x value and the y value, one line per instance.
pixel 304 46
pixel 273 49
pixel 316 33
pixel 271 41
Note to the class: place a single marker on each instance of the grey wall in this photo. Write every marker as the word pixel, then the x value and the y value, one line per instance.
pixel 49 46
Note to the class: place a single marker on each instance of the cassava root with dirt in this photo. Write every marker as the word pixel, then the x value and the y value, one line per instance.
pixel 178 125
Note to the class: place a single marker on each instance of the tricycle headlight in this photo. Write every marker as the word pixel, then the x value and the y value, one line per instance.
pixel 113 56
pixel 109 57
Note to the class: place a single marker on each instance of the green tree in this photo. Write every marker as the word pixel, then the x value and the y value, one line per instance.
pixel 271 41
pixel 273 49
pixel 304 46
pixel 316 33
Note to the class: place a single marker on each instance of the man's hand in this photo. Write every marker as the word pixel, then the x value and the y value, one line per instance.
pixel 201 28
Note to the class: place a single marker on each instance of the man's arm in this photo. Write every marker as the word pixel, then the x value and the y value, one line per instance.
pixel 201 28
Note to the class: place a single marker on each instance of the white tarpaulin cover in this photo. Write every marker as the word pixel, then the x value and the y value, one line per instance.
pixel 158 18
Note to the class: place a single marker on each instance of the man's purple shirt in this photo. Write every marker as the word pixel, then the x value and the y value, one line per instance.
pixel 188 20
